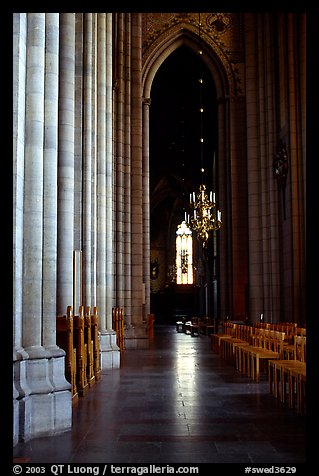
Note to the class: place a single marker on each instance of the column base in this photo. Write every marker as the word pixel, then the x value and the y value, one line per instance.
pixel 42 398
pixel 136 337
pixel 109 351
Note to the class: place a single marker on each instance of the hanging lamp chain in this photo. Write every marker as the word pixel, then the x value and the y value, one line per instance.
pixel 206 216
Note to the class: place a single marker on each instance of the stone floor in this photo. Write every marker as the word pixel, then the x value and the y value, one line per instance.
pixel 175 402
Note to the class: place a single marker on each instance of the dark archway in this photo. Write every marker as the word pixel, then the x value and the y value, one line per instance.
pixel 175 163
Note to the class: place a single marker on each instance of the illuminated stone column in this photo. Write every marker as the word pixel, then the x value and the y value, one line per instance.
pixel 127 175
pixel 119 164
pixel 62 389
pixel 50 169
pixel 66 163
pixel 109 182
pixel 20 388
pixel 110 355
pixel 38 413
pixel 87 160
pixel 136 336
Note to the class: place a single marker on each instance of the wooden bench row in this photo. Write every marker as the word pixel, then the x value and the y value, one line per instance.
pixel 253 349
pixel 195 326
pixel 118 326
pixel 78 336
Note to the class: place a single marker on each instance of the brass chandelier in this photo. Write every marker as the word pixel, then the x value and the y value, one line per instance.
pixel 206 216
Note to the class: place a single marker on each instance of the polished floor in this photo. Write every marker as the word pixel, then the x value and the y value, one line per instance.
pixel 175 402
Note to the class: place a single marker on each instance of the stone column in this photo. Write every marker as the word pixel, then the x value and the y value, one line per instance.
pixel 127 174
pixel 50 179
pixel 109 178
pixel 93 166
pixel 224 205
pixel 66 163
pixel 137 335
pixel 39 405
pixel 295 111
pixel 268 192
pixel 19 75
pixel 238 184
pixel 110 355
pixel 78 161
pixel 253 172
pixel 119 138
pixel 20 388
pixel 62 393
pixel 87 160
pixel 146 208
pixel 33 186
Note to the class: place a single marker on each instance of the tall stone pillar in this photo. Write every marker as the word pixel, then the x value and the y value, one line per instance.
pixel 93 156
pixel 127 175
pixel 119 167
pixel 136 335
pixel 268 192
pixel 238 195
pixel 62 388
pixel 146 209
pixel 20 388
pixel 44 397
pixel 226 302
pixel 66 163
pixel 87 160
pixel 253 172
pixel 39 404
pixel 110 356
pixel 109 185
pixel 296 111
pixel 50 168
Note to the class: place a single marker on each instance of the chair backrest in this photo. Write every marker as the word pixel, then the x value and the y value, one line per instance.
pixel 300 348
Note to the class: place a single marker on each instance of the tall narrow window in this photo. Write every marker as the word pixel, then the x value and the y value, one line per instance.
pixel 184 254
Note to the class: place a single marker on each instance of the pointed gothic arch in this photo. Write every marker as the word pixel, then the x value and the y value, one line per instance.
pixel 186 34
pixel 231 154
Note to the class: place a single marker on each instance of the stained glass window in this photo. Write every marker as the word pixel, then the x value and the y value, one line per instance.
pixel 184 254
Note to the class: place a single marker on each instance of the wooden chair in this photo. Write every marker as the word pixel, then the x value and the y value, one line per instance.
pixel 269 346
pixel 216 338
pixel 279 369
pixel 247 336
pixel 225 347
pixel 297 389
pixel 194 327
pixel 187 326
pixel 286 369
pixel 179 326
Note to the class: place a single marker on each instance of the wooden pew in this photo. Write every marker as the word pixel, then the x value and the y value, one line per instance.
pixel 64 339
pixel 118 326
pixel 96 343
pixel 89 347
pixel 81 352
